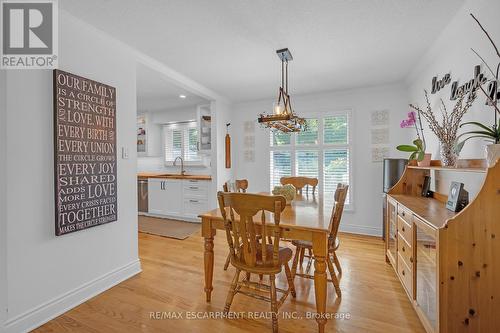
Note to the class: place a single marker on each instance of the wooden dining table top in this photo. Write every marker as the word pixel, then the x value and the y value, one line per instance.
pixel 306 211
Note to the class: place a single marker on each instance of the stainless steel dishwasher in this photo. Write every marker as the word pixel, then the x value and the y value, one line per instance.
pixel 142 195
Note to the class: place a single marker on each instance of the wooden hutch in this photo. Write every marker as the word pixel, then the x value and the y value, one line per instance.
pixel 447 262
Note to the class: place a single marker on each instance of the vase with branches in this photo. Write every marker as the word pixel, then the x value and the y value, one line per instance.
pixel 446 130
pixel 490 133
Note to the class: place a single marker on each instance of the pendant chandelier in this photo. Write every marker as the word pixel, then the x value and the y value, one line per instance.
pixel 283 118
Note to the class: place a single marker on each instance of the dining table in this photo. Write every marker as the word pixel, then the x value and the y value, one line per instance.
pixel 305 218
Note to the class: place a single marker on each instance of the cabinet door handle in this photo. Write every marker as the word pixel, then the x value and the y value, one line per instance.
pixel 195 201
pixel 403 272
pixel 403 249
pixel 411 260
pixel 193 187
pixel 403 213
pixel 403 229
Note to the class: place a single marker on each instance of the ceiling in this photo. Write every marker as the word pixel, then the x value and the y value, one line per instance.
pixel 229 45
pixel 155 92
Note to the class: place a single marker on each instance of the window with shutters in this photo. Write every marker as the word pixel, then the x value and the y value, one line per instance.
pixel 181 139
pixel 323 152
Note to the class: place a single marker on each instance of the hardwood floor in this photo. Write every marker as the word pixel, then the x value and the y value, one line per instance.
pixel 172 280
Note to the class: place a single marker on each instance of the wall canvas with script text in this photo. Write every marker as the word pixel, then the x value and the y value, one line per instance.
pixel 85 158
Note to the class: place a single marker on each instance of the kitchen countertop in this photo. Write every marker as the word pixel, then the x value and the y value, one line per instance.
pixel 144 175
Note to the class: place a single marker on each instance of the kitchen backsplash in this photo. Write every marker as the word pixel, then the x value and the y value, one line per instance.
pixel 156 164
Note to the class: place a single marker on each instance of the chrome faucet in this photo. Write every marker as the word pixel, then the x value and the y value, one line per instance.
pixel 183 172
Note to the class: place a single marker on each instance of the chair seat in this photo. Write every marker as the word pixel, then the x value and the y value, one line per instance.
pixel 308 244
pixel 285 254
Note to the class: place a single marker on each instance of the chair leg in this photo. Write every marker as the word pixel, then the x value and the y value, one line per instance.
pixel 302 253
pixel 335 281
pixel 309 262
pixel 289 277
pixel 274 304
pixel 295 261
pixel 337 262
pixel 232 291
pixel 228 259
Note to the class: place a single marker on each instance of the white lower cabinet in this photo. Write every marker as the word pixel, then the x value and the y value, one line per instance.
pixel 182 199
pixel 165 196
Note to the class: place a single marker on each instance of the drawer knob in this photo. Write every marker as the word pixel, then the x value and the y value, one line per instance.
pixel 411 260
pixel 403 214
pixel 403 229
pixel 403 272
pixel 403 248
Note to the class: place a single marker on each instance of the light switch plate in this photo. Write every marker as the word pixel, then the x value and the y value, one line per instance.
pixel 125 153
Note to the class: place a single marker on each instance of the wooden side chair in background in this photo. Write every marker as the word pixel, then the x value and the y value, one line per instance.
pixel 240 185
pixel 333 242
pixel 300 182
pixel 252 254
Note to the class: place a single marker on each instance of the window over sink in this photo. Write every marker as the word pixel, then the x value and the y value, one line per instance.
pixel 181 139
pixel 322 151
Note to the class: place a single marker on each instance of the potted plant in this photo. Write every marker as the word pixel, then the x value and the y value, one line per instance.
pixel 491 134
pixel 417 150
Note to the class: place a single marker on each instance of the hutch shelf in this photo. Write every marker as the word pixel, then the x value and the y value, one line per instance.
pixel 447 262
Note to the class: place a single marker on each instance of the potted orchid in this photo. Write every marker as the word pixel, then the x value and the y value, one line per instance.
pixel 417 150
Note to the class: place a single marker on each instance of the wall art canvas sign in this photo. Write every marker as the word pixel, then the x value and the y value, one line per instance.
pixel 84 153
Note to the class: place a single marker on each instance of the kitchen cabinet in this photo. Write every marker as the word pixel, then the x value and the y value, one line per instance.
pixel 204 120
pixel 195 195
pixel 165 196
pixel 183 199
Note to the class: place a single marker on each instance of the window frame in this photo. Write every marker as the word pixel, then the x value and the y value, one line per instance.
pixel 184 127
pixel 321 147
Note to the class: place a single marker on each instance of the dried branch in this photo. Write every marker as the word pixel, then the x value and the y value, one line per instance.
pixel 485 63
pixel 492 102
pixel 487 34
pixel 447 131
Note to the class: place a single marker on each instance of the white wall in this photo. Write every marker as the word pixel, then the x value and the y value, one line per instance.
pixel 451 53
pixel 367 176
pixel 3 201
pixel 224 113
pixel 46 274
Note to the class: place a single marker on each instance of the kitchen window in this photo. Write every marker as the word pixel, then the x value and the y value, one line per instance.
pixel 181 139
pixel 323 151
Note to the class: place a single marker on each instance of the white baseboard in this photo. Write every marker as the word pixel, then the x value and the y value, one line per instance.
pixel 43 313
pixel 361 229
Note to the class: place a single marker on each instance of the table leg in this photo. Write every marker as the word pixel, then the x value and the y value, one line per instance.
pixel 320 251
pixel 208 233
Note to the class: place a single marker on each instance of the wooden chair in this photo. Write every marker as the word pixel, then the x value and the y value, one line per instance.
pixel 252 254
pixel 241 186
pixel 300 182
pixel 333 242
